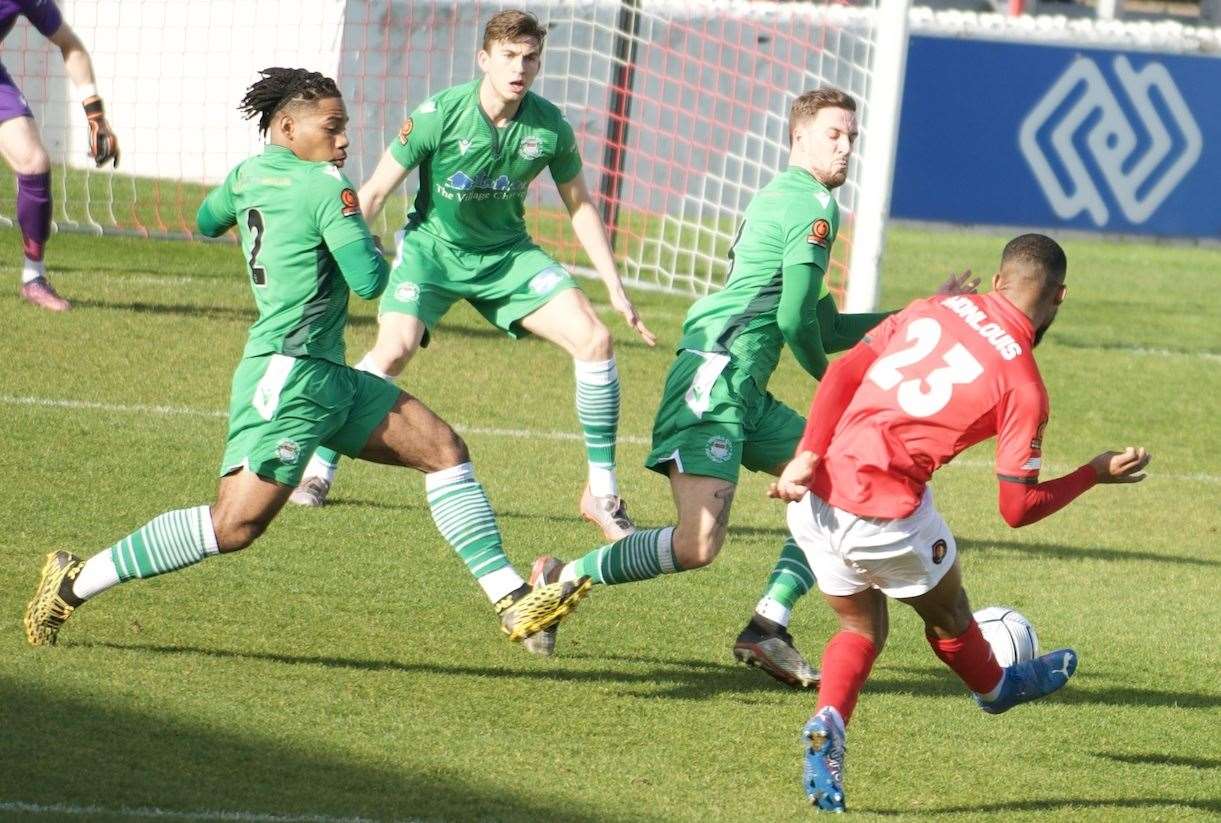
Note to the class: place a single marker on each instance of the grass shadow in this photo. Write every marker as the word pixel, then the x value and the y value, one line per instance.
pixel 681 679
pixel 1062 552
pixel 89 752
pixel 1162 760
pixel 1052 804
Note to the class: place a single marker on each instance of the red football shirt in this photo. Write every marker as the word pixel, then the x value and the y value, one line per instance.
pixel 951 371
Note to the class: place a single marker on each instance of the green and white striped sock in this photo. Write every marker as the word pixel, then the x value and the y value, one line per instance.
pixel 640 556
pixel 791 579
pixel 598 411
pixel 168 542
pixel 463 515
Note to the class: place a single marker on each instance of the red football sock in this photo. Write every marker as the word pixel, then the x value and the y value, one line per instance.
pixel 971 658
pixel 845 666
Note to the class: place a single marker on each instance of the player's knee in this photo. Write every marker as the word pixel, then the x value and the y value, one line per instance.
pixel 232 536
pixel 451 449
pixel 32 160
pixel 694 549
pixel 597 343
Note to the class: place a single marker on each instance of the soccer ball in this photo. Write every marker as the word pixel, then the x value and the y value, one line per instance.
pixel 1011 636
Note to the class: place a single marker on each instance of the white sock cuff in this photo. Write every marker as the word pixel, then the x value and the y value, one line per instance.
pixel 774 610
pixel 596 372
pixel 366 364
pixel 500 583
pixel 32 270
pixel 665 550
pixel 209 532
pixel 447 477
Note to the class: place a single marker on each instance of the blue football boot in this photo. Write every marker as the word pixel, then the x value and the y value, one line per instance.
pixel 1031 680
pixel 822 778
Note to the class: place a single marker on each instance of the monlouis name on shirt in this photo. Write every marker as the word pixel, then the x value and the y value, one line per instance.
pixel 975 317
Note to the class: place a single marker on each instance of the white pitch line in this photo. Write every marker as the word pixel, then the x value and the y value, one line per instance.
pixel 635 440
pixel 150 812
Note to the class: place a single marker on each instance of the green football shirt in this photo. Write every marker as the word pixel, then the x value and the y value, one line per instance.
pixel 790 222
pixel 473 175
pixel 293 215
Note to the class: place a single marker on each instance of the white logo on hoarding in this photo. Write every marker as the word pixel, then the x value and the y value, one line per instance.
pixel 1112 141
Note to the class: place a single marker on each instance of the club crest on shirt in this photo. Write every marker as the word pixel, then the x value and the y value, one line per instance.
pixel 407 293
pixel 351 204
pixel 719 449
pixel 288 452
pixel 405 131
pixel 939 550
pixel 1037 443
pixel 546 280
pixel 819 232
pixel 531 148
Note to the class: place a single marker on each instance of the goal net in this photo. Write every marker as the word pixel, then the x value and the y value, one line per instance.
pixel 680 108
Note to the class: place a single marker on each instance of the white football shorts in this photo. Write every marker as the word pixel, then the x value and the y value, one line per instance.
pixel 850 553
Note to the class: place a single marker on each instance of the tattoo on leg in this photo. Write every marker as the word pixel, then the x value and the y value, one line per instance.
pixel 725 495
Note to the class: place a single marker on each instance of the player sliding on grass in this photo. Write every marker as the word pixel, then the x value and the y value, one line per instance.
pixel 305 244
pixel 478 146
pixel 928 383
pixel 22 148
pixel 716 414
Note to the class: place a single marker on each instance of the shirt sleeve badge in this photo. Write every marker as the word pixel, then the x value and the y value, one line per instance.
pixel 819 232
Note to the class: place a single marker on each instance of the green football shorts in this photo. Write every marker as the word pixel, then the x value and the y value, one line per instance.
pixel 282 408
pixel 430 275
pixel 713 420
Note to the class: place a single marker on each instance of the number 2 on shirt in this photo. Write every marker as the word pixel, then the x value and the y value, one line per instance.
pixel 254 222
pixel 914 398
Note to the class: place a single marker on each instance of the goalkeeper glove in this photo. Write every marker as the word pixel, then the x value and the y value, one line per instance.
pixel 103 145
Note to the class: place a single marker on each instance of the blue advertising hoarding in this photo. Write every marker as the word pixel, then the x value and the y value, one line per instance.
pixel 1038 135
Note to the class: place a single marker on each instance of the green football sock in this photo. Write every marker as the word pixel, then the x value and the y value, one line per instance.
pixel 791 579
pixel 463 515
pixel 640 556
pixel 168 542
pixel 598 411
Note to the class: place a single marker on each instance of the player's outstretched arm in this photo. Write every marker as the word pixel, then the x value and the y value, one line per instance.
pixel 103 145
pixel 591 233
pixel 1021 503
pixel 387 177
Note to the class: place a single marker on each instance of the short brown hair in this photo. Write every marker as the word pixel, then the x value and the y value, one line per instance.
pixel 811 102
pixel 513 25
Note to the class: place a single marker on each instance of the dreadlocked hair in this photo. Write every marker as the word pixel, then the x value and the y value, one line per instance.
pixel 279 87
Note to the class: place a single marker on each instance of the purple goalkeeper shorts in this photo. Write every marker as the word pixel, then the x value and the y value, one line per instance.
pixel 12 103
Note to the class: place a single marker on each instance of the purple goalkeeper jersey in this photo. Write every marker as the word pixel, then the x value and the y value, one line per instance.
pixel 43 14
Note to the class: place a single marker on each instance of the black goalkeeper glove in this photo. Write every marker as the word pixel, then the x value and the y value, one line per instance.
pixel 103 145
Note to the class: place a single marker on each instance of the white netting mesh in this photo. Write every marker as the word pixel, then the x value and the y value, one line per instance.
pixel 704 106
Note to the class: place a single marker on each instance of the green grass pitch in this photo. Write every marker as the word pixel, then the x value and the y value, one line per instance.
pixel 346 666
